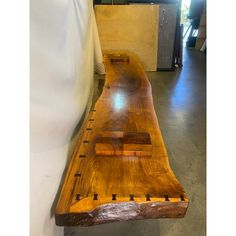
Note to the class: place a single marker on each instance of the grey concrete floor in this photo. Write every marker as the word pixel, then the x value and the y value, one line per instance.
pixel 180 103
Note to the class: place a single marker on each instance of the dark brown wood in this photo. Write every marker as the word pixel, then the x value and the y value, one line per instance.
pixel 119 169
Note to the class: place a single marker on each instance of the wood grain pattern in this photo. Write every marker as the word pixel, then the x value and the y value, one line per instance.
pixel 102 187
pixel 130 27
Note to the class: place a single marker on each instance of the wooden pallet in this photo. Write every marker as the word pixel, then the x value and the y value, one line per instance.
pixel 119 169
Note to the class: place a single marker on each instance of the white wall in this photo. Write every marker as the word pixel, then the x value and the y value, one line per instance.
pixel 63 34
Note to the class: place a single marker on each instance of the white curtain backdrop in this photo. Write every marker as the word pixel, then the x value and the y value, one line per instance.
pixel 64 46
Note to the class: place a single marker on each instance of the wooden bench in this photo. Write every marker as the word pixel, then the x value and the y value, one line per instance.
pixel 119 169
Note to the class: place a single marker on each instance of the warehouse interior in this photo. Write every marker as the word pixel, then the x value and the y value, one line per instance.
pixel 68 39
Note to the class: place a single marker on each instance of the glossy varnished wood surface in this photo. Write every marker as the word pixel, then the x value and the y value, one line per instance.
pixel 119 169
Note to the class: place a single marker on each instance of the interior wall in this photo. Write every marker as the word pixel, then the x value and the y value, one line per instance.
pixel 63 50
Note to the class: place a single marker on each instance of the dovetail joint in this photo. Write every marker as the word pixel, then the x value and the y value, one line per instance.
pixel 131 197
pixel 77 174
pixel 166 198
pixel 148 197
pixel 182 198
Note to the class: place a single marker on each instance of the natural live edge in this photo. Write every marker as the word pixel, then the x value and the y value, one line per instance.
pixel 123 211
pixel 119 169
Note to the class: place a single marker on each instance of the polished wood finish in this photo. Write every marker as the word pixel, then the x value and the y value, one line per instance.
pixel 124 144
pixel 119 169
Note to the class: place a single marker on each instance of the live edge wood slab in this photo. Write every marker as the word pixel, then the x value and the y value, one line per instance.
pixel 119 169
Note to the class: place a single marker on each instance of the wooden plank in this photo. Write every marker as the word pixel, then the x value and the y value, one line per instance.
pixel 129 144
pixel 130 27
pixel 106 188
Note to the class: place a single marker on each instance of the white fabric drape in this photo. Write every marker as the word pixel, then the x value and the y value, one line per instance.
pixel 64 45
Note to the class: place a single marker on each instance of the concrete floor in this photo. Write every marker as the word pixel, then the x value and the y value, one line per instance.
pixel 180 103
